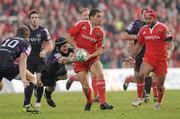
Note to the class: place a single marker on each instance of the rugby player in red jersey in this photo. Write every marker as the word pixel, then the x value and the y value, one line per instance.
pixel 85 16
pixel 90 36
pixel 158 40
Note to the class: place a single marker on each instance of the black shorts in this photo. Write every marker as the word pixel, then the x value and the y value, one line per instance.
pixel 49 78
pixel 9 73
pixel 35 65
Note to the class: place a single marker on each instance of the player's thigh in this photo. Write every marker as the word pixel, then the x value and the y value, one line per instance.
pixel 83 77
pixel 97 69
pixel 31 77
pixel 136 75
pixel 145 68
pixel 1 84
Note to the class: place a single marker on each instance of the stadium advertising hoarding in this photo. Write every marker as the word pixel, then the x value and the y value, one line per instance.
pixel 114 81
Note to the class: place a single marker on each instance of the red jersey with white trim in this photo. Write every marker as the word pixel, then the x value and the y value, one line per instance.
pixel 155 40
pixel 88 37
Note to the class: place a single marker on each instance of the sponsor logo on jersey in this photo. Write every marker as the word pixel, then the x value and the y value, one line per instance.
pixel 159 31
pixel 84 28
pixel 34 39
pixel 151 37
pixel 89 38
pixel 144 32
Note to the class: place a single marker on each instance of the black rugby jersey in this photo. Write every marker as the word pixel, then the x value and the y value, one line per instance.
pixel 51 61
pixel 134 28
pixel 37 37
pixel 10 50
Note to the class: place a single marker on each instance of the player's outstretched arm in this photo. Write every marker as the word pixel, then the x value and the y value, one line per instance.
pixel 135 50
pixel 23 68
pixel 169 48
pixel 126 36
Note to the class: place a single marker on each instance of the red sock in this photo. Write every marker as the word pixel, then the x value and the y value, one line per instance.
pixel 95 86
pixel 140 88
pixel 72 78
pixel 102 91
pixel 154 87
pixel 88 93
pixel 160 94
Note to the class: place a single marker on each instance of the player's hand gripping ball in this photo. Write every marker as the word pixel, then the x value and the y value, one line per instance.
pixel 81 55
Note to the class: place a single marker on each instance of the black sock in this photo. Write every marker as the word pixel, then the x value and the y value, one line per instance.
pixel 148 83
pixel 48 94
pixel 28 93
pixel 40 91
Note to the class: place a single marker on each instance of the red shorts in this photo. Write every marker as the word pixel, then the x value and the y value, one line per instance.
pixel 160 67
pixel 84 66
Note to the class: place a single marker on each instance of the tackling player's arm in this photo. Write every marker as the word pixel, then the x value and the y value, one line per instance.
pixel 127 36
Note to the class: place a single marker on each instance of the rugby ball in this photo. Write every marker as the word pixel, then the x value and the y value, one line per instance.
pixel 81 54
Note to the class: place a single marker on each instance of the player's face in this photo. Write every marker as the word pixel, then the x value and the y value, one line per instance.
pixel 97 19
pixel 143 15
pixel 64 48
pixel 150 20
pixel 34 19
pixel 85 15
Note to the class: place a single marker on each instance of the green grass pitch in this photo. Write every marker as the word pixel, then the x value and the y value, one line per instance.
pixel 71 105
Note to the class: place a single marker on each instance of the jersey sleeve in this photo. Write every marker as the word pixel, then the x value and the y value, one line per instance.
pixel 74 30
pixel 45 35
pixel 140 37
pixel 25 48
pixel 130 28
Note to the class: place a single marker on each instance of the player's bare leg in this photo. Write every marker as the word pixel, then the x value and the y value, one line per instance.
pixel 144 71
pixel 161 89
pixel 39 89
pixel 74 77
pixel 27 107
pixel 97 70
pixel 83 77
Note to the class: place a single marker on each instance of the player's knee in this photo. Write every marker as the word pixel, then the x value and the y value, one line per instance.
pixel 51 89
pixel 39 84
pixel 100 76
pixel 85 86
pixel 140 76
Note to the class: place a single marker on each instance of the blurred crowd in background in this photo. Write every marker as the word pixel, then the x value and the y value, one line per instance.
pixel 58 15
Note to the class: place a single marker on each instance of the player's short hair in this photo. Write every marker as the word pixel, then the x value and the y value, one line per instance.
pixel 93 12
pixel 84 9
pixel 33 12
pixel 22 30
pixel 143 9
